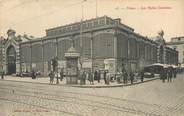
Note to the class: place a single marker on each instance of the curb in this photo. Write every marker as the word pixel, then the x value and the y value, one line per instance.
pixel 26 82
pixel 110 86
pixel 84 86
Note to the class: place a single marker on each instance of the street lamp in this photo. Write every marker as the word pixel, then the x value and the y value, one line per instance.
pixel 81 37
pixel 91 52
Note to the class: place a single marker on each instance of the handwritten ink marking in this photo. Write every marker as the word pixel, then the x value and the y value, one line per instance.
pixel 143 8
pixel 152 7
pixel 131 8
pixel 164 7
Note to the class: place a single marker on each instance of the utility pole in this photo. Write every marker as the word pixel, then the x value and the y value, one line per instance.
pixel 81 29
pixel 91 52
pixel 43 56
pixel 57 82
pixel 81 35
pixel 115 47
pixel 96 8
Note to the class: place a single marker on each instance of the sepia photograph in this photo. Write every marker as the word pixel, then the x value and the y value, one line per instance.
pixel 91 58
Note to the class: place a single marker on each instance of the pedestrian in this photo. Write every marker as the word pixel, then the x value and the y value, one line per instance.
pixel 136 76
pixel 105 78
pixel 87 75
pixel 108 78
pixel 163 75
pixel 142 76
pixel 2 75
pixel 57 75
pixel 96 75
pixel 125 77
pixel 118 76
pixel 175 73
pixel 90 78
pixel 132 77
pixel 99 76
pixel 83 78
pixel 170 75
pixel 61 75
pixel 33 75
pixel 51 75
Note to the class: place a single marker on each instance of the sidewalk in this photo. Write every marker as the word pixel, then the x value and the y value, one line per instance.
pixel 45 80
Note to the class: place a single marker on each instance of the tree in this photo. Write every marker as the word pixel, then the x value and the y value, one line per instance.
pixel 55 67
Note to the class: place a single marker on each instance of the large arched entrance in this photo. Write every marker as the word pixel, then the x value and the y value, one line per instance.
pixel 11 60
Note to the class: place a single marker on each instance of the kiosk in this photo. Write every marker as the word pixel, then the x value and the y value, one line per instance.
pixel 72 66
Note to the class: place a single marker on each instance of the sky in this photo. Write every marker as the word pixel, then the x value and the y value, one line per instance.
pixel 147 17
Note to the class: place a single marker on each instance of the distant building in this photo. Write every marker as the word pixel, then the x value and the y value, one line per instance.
pixel 100 41
pixel 2 41
pixel 177 43
pixel 165 55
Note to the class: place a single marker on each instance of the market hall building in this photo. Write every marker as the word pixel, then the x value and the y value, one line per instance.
pixel 103 43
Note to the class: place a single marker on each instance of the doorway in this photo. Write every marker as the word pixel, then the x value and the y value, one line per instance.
pixel 11 60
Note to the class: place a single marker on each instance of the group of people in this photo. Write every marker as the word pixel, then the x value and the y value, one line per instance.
pixel 58 76
pixel 125 76
pixel 91 77
pixel 168 73
pixel 120 77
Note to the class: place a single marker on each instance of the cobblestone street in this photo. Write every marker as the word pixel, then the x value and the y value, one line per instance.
pixel 152 98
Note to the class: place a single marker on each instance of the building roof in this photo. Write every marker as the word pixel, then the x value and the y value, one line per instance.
pixel 89 24
pixel 88 20
pixel 177 39
pixel 175 43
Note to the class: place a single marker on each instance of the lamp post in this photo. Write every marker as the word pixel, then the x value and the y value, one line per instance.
pixel 81 35
pixel 57 60
pixel 91 52
pixel 43 55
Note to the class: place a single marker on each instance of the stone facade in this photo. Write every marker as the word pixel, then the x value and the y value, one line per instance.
pixel 10 52
pixel 96 40
pixel 2 52
pixel 165 54
pixel 177 43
